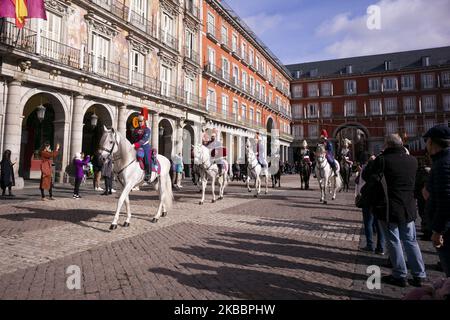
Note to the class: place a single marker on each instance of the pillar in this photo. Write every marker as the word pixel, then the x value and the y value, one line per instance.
pixel 62 128
pixel 122 120
pixel 76 141
pixel 230 149
pixel 13 127
pixel 155 131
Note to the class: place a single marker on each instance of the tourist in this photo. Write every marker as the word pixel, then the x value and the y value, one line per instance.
pixel 107 174
pixel 97 163
pixel 79 162
pixel 46 183
pixel 7 173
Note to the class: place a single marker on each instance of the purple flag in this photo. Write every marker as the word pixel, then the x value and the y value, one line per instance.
pixel 36 9
pixel 7 9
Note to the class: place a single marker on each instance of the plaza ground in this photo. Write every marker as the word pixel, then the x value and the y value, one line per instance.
pixel 285 245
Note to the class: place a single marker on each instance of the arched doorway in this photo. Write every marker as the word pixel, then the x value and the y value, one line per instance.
pixel 165 138
pixel 270 126
pixel 37 130
pixel 358 135
pixel 93 133
pixel 188 142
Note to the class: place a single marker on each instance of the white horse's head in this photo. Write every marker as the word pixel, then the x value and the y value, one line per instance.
pixel 201 154
pixel 109 143
pixel 320 153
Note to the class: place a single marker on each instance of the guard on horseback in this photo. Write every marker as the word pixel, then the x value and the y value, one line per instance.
pixel 329 151
pixel 145 154
pixel 217 152
pixel 306 153
pixel 345 152
pixel 260 151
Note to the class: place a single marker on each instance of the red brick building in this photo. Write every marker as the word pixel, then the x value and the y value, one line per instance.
pixel 366 98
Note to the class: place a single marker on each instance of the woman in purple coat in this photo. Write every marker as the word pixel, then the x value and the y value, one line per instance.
pixel 78 163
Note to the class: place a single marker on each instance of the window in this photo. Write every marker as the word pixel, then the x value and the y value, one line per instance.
pixel 446 101
pixel 390 84
pixel 188 89
pixel 236 75
pixel 257 63
pixel 326 89
pixel 244 112
pixel 225 104
pixel 270 97
pixel 391 127
pixel 258 117
pixel 411 128
pixel 211 101
pixel 408 82
pixel 235 109
pixel 269 73
pixel 326 109
pixel 51 29
pixel 376 107
pixel 350 87
pixel 211 24
pixel 374 85
pixel 313 110
pixel 212 59
pixel 244 80
pixel 258 90
pixel 167 29
pixel 428 124
pixel 244 50
pixel 263 93
pixel 252 85
pixel 297 111
pixel 297 91
pixel 313 90
pixel 429 103
pixel 225 69
pixel 251 56
pixel 100 52
pixel 409 104
pixel 250 115
pixel 390 105
pixel 138 12
pixel 224 35
pixel 137 68
pixel 445 79
pixel 189 43
pixel 297 131
pixel 313 131
pixel 350 108
pixel 166 78
pixel 234 43
pixel 428 81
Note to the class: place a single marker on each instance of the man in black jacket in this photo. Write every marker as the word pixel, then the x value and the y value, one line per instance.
pixel 399 225
pixel 438 191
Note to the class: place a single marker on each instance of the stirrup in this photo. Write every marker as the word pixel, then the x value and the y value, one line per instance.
pixel 147 177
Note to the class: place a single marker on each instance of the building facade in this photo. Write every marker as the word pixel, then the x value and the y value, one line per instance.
pixel 365 98
pixel 96 63
pixel 245 86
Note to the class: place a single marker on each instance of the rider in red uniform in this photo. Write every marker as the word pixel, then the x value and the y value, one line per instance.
pixel 329 150
pixel 141 139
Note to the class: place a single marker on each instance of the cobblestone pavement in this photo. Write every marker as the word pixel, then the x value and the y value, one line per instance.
pixel 285 245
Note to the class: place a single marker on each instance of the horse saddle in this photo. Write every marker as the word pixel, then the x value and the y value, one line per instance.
pixel 156 167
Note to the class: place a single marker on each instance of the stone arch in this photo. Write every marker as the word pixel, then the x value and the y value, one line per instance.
pixel 355 132
pixel 91 134
pixel 165 134
pixel 54 128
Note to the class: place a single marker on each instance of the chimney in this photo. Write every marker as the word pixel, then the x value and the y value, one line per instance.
pixel 349 69
pixel 426 61
pixel 387 65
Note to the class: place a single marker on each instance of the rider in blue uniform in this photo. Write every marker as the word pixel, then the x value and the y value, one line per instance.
pixel 141 139
pixel 329 150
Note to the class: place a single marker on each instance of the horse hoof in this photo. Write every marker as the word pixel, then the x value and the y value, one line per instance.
pixel 266 193
pixel 164 214
pixel 256 196
pixel 154 220
pixel 200 203
pixel 213 201
pixel 113 227
pixel 325 202
pixel 126 224
pixel 334 199
pixel 221 198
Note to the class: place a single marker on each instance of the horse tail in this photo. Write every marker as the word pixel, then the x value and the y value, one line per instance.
pixel 338 182
pixel 166 192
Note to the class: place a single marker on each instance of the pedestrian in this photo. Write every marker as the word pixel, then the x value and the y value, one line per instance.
pixel 179 169
pixel 397 215
pixel 422 176
pixel 369 219
pixel 437 192
pixel 47 155
pixel 79 162
pixel 97 163
pixel 107 174
pixel 7 173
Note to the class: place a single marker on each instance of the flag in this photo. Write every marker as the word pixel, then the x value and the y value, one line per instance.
pixel 7 9
pixel 36 9
pixel 21 13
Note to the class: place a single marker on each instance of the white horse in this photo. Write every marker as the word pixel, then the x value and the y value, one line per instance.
pixel 255 171
pixel 202 158
pixel 130 174
pixel 325 175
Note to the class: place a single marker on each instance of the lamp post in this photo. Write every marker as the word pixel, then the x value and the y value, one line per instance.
pixel 40 112
pixel 94 119
pixel 161 131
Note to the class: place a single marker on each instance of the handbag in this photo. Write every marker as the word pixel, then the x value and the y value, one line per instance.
pixel 374 192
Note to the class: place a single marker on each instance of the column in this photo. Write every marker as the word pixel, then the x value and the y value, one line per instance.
pixel 178 137
pixel 76 140
pixel 13 128
pixel 62 128
pixel 122 120
pixel 230 149
pixel 155 131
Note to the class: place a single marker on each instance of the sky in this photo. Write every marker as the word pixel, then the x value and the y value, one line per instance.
pixel 298 31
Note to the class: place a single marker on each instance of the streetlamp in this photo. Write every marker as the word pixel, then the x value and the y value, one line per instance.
pixel 161 131
pixel 94 119
pixel 40 112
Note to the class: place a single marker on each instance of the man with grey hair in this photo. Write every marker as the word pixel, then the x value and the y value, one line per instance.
pixel 398 222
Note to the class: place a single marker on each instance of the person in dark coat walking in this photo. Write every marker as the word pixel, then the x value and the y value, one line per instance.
pixel 437 192
pixel 422 176
pixel 7 173
pixel 47 155
pixel 399 226
pixel 97 163
pixel 107 173
pixel 79 161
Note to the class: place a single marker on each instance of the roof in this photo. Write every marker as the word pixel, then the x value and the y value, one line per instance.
pixel 371 64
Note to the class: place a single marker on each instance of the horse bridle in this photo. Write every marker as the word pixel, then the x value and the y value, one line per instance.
pixel 110 152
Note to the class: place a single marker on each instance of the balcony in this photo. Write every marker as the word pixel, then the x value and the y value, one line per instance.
pixel 192 10
pixel 58 54
pixel 211 33
pixel 168 40
pixel 191 56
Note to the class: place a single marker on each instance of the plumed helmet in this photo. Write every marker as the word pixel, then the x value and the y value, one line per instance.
pixel 141 118
pixel 305 143
pixel 324 133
